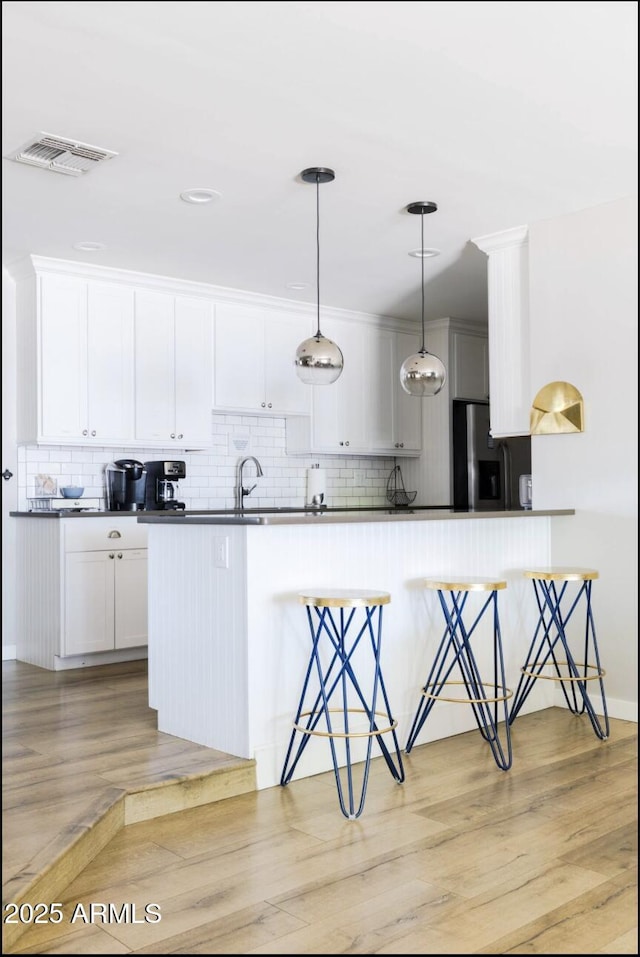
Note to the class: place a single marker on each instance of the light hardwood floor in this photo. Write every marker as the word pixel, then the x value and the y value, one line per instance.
pixel 462 858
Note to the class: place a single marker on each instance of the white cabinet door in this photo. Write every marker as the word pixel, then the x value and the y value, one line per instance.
pixel 193 371
pixel 393 418
pixel 86 361
pixel 238 352
pixel 340 422
pixel 131 629
pixel 105 600
pixel 62 330
pixel 381 392
pixel 110 364
pixel 285 393
pixel 407 418
pixel 254 371
pixel 470 367
pixel 89 592
pixel 155 361
pixel 173 370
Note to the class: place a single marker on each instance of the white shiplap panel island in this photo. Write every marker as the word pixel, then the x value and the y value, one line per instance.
pixel 229 640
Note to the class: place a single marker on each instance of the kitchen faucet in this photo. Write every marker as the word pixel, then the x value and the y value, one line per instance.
pixel 241 491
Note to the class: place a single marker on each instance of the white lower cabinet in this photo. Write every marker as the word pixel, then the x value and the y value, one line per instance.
pixel 105 600
pixel 82 590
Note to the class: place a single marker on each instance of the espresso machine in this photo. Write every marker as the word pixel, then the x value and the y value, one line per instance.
pixel 126 481
pixel 162 477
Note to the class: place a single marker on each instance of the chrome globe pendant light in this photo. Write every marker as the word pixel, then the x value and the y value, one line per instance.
pixel 318 360
pixel 422 374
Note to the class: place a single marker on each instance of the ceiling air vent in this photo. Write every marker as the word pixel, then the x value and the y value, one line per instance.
pixel 60 155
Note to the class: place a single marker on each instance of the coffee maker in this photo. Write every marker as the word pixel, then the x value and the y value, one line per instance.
pixel 126 481
pixel 161 491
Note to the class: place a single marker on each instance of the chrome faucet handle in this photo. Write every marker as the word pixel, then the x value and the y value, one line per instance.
pixel 248 491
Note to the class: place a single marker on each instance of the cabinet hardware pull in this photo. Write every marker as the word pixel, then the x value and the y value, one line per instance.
pixel 111 555
pixel 346 443
pixel 181 436
pixel 119 554
pixel 172 435
pixel 114 533
pixel 6 475
pixel 85 431
pixel 262 405
pixel 93 432
pixel 269 404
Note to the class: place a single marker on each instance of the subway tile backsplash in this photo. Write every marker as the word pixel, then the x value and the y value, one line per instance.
pixel 211 475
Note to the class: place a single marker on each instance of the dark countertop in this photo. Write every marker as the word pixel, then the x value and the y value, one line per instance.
pixel 331 516
pixel 296 515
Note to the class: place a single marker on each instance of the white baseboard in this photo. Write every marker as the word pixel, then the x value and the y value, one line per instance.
pixel 98 658
pixel 8 652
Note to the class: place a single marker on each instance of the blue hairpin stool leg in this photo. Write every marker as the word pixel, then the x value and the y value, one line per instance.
pixel 487 696
pixel 561 594
pixel 343 694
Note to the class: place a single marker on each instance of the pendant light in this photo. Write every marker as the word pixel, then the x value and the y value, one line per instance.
pixel 318 360
pixel 422 374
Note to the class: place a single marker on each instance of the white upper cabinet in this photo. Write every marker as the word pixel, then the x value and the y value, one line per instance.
pixel 173 349
pixel 254 351
pixel 395 425
pixel 365 411
pixel 508 289
pixel 470 366
pixel 84 346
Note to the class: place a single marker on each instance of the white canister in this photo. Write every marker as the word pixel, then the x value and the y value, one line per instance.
pixel 525 491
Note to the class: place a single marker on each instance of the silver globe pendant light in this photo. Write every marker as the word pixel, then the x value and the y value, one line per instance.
pixel 422 374
pixel 318 360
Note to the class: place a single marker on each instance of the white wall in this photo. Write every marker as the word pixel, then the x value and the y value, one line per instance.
pixel 10 462
pixel 584 330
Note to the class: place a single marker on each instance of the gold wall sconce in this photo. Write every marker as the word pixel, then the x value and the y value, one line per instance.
pixel 558 407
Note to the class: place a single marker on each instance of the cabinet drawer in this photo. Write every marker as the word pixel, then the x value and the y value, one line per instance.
pixel 93 534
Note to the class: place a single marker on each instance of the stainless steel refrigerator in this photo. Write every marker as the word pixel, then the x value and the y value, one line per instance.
pixel 486 471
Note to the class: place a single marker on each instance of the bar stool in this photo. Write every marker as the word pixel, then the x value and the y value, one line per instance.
pixel 488 698
pixel 337 629
pixel 556 606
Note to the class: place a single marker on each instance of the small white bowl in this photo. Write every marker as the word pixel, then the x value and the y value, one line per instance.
pixel 72 491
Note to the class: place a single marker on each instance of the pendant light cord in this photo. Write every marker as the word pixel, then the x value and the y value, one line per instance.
pixel 318 333
pixel 423 350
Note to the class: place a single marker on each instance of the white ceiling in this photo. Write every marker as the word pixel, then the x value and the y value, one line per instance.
pixel 502 113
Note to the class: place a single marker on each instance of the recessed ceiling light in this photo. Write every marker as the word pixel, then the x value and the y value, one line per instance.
pixel 297 285
pixel 89 247
pixel 200 195
pixel 424 253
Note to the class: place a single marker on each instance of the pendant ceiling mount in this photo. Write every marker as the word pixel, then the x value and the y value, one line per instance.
pixel 317 174
pixel 318 360
pixel 420 208
pixel 422 374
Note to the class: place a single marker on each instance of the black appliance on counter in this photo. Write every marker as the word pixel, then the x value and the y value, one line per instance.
pixel 126 481
pixel 161 493
pixel 486 471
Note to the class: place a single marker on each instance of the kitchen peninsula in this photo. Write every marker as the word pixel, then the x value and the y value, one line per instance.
pixel 229 640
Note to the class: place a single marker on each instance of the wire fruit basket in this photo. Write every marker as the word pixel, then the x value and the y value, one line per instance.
pixel 396 492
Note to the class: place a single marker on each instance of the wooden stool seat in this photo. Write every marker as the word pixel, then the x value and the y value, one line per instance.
pixel 346 669
pixel 345 598
pixel 556 607
pixel 488 698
